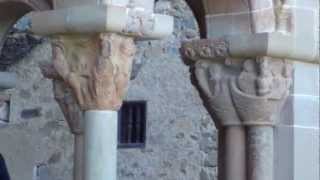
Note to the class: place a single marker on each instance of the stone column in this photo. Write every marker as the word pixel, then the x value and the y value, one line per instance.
pixel 91 75
pixel 93 49
pixel 244 73
pixel 242 94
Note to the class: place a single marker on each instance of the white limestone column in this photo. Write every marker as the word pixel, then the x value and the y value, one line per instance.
pixel 101 130
pixel 102 32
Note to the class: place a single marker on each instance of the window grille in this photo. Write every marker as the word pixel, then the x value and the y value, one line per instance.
pixel 4 110
pixel 132 124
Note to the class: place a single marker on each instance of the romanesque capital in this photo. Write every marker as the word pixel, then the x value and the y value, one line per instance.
pixel 66 100
pixel 238 91
pixel 93 49
pixel 89 72
pixel 95 67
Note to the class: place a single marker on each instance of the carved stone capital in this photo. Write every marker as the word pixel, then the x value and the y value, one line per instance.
pixel 97 68
pixel 69 106
pixel 238 91
pixel 89 73
pixel 66 100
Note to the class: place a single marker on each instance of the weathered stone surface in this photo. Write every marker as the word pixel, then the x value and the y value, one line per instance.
pixel 238 91
pixel 261 153
pixel 207 175
pixel 107 71
pixel 33 141
pixel 16 46
pixel 65 98
pixel 97 68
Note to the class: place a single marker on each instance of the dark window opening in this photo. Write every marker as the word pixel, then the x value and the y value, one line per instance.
pixel 31 113
pixel 4 110
pixel 132 124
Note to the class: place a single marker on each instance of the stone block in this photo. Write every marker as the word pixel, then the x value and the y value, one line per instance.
pixel 297 153
pixel 226 6
pixel 306 111
pixel 306 153
pixel 306 79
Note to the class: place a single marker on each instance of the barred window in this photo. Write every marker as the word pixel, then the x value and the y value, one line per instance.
pixel 4 110
pixel 132 124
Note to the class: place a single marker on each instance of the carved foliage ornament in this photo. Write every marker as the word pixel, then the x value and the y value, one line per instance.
pixel 65 98
pixel 89 73
pixel 239 91
pixel 95 67
pixel 205 49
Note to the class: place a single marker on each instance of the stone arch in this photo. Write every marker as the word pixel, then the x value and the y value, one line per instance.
pixel 198 10
pixel 12 10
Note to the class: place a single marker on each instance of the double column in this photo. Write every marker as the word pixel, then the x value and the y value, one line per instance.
pixel 244 73
pixel 243 96
pixel 93 49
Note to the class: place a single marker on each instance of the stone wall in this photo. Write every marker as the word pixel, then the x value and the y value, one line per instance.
pixel 181 138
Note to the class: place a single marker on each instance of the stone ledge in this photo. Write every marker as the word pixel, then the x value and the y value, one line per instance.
pixel 275 45
pixel 103 18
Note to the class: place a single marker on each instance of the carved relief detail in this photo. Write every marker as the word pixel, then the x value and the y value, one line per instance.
pixel 89 73
pixel 96 68
pixel 205 49
pixel 241 91
pixel 66 100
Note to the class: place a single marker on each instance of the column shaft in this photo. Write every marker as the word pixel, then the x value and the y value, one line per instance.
pixel 78 165
pixel 260 152
pixel 101 128
pixel 232 153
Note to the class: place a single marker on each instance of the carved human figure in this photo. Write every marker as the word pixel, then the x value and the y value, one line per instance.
pixel 238 90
